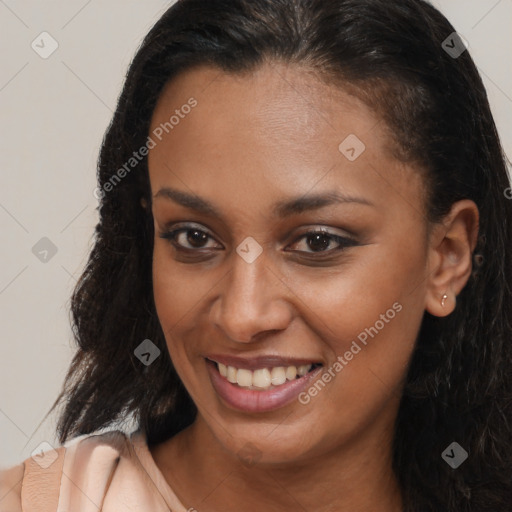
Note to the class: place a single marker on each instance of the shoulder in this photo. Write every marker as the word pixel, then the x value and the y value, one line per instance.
pixel 40 481
pixel 10 488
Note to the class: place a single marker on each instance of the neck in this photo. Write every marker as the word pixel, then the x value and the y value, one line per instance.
pixel 356 476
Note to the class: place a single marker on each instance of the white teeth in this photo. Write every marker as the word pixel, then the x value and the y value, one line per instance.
pixel 303 369
pixel 262 378
pixel 278 375
pixel 231 374
pixel 291 372
pixel 244 377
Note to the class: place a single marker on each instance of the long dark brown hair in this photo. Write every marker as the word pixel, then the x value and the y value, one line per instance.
pixel 390 53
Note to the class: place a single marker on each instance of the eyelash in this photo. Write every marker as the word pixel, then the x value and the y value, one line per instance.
pixel 344 242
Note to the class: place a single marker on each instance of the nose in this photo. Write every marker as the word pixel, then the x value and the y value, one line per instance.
pixel 252 301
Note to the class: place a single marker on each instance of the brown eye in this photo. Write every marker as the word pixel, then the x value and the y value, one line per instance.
pixel 195 237
pixel 322 241
pixel 191 238
pixel 187 238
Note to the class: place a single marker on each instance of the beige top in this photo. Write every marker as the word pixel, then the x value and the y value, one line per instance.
pixel 111 472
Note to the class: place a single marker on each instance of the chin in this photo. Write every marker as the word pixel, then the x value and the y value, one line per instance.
pixel 267 441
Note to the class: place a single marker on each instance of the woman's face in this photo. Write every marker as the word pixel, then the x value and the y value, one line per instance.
pixel 247 175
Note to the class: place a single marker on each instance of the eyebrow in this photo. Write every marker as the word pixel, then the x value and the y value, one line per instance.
pixel 280 209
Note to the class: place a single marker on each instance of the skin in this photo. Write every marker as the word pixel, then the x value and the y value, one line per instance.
pixel 251 141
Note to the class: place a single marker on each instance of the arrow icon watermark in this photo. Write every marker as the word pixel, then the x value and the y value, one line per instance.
pixel 352 147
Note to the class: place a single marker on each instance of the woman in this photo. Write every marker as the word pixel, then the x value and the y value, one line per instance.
pixel 300 284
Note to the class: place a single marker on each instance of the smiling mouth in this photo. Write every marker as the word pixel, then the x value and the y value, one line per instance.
pixel 262 379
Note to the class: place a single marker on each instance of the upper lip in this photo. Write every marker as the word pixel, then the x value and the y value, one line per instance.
pixel 253 363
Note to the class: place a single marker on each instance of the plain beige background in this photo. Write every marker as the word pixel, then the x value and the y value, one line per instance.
pixel 54 112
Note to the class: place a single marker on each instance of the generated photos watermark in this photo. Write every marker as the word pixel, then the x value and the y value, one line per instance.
pixel 341 361
pixel 142 152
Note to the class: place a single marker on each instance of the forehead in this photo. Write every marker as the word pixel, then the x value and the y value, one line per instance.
pixel 274 99
pixel 272 131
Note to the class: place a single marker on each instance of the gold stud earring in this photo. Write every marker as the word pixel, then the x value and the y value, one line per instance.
pixel 444 299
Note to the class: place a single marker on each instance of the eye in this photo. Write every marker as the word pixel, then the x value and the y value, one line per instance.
pixel 188 238
pixel 319 240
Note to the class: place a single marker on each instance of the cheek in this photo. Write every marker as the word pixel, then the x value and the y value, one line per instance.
pixel 180 292
pixel 368 316
pixel 345 301
pixel 165 285
pixel 172 292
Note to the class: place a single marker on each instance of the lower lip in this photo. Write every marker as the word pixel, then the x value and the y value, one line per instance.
pixel 249 400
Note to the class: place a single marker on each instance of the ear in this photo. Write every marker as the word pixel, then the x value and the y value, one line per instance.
pixel 451 246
